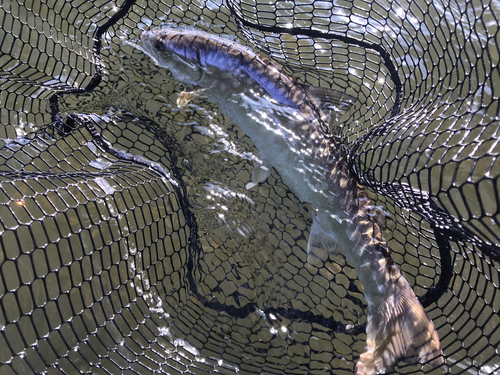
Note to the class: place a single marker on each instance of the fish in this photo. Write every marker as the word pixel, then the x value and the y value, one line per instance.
pixel 290 125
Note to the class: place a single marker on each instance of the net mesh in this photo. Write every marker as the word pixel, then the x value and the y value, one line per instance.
pixel 114 255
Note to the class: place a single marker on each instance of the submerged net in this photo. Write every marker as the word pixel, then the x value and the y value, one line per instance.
pixel 115 255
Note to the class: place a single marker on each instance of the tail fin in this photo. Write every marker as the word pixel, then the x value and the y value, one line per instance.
pixel 398 328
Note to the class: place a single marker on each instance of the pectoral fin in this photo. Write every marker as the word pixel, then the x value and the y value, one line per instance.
pixel 260 172
pixel 186 96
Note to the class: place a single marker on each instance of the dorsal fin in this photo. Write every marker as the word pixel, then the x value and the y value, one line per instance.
pixel 330 102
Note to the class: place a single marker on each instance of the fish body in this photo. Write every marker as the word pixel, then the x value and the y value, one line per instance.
pixel 310 160
pixel 233 58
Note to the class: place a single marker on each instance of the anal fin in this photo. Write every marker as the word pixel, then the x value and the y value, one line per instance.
pixel 320 245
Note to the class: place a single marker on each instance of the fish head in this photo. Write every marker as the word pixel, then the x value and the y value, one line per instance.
pixel 156 44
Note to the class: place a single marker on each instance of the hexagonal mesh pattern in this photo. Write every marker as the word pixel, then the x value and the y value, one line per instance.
pixel 129 243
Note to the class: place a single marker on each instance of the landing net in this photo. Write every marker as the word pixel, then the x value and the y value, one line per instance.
pixel 114 258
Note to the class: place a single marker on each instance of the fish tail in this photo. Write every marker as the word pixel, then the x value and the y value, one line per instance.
pixel 398 328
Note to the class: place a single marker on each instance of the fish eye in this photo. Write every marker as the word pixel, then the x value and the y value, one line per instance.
pixel 158 44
